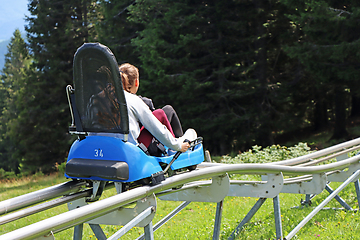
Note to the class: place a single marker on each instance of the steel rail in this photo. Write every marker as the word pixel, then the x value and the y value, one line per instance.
pixel 43 206
pixel 305 158
pixel 330 156
pixel 49 204
pixel 96 209
pixel 40 196
pixel 77 216
pixel 320 153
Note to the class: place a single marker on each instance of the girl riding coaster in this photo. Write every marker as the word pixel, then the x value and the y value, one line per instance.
pixel 104 115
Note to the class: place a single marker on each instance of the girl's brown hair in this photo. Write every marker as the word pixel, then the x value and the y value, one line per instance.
pixel 129 74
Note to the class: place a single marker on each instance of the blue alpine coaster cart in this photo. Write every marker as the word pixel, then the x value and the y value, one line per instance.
pixel 99 114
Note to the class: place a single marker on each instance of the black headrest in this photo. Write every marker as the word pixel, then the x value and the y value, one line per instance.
pixel 99 94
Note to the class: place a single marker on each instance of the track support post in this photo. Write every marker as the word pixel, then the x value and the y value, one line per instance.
pixel 217 224
pixel 338 198
pixel 277 213
pixel 149 232
pixel 99 233
pixel 78 231
pixel 357 189
pixel 247 218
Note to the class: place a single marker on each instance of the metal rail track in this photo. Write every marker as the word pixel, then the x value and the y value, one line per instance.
pixel 207 170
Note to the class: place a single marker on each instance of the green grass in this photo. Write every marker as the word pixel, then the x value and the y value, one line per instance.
pixel 197 219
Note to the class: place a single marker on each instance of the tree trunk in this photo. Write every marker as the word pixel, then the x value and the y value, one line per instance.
pixel 320 112
pixel 355 106
pixel 265 137
pixel 340 115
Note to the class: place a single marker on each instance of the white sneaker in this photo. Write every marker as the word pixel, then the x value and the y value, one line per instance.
pixel 190 135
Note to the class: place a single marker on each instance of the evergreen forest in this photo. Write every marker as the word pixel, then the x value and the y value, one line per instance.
pixel 240 72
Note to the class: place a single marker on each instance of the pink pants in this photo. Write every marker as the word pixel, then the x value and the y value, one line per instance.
pixel 145 136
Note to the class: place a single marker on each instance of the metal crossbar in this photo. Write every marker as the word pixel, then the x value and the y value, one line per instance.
pixel 133 223
pixel 355 176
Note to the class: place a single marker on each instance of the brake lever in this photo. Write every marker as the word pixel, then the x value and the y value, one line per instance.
pixel 177 154
pixel 195 142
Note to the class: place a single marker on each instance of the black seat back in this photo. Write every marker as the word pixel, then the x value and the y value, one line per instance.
pixel 100 104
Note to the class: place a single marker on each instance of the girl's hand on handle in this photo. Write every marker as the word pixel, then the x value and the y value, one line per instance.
pixel 185 146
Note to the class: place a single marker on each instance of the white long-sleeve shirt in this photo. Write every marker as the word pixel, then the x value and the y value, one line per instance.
pixel 139 112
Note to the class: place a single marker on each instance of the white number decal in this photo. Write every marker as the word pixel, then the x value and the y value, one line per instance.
pixel 99 153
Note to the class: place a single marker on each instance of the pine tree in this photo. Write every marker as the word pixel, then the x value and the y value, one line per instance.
pixel 55 30
pixel 116 31
pixel 211 61
pixel 13 101
pixel 327 48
